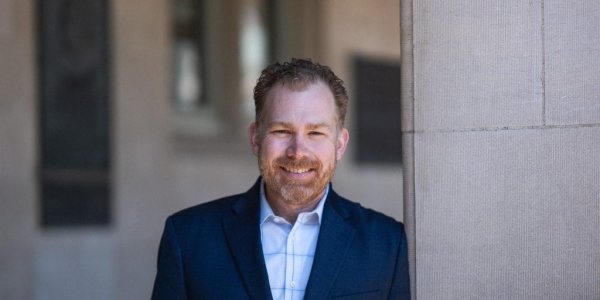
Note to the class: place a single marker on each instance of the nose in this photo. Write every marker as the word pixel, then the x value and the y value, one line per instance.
pixel 297 147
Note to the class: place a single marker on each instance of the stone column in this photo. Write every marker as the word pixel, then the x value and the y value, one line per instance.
pixel 141 97
pixel 501 112
pixel 18 152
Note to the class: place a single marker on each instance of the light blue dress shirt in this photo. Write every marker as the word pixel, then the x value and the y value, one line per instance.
pixel 289 250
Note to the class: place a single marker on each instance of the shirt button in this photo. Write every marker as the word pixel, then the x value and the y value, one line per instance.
pixel 277 219
pixel 293 284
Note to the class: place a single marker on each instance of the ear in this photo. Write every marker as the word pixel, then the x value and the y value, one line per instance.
pixel 254 140
pixel 342 142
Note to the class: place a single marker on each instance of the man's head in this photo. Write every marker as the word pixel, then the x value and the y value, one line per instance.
pixel 299 134
pixel 297 74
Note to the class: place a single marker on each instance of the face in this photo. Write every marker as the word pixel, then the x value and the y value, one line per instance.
pixel 298 144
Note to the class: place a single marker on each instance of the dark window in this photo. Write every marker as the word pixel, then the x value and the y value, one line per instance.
pixel 74 112
pixel 378 112
pixel 187 55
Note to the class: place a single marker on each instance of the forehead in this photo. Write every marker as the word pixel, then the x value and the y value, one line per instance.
pixel 311 103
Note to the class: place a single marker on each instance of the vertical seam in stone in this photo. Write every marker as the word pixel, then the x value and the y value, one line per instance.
pixel 407 116
pixel 543 65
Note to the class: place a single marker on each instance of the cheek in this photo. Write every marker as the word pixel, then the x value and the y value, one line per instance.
pixel 325 151
pixel 272 147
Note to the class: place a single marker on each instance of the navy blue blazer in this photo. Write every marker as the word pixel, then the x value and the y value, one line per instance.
pixel 213 251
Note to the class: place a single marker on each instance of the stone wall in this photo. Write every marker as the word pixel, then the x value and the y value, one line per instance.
pixel 501 112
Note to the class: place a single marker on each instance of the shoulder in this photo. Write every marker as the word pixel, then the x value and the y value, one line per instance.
pixel 366 219
pixel 206 213
pixel 211 207
pixel 375 233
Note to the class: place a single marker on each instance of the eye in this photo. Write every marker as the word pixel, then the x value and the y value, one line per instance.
pixel 315 133
pixel 281 132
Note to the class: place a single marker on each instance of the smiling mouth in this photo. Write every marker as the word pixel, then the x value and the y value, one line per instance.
pixel 296 171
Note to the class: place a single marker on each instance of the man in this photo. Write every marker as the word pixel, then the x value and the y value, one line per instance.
pixel 290 236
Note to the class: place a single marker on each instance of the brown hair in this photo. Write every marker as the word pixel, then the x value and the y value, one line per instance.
pixel 298 74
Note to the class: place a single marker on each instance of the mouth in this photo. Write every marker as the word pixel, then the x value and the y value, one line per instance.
pixel 296 170
pixel 298 173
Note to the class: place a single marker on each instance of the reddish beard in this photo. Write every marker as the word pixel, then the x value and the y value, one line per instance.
pixel 294 191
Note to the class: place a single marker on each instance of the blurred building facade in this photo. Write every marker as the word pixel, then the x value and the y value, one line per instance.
pixel 179 106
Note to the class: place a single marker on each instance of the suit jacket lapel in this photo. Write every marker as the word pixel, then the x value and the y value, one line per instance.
pixel 242 232
pixel 335 238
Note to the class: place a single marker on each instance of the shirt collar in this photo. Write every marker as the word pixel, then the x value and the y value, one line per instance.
pixel 305 217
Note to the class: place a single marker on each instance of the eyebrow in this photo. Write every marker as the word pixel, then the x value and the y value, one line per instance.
pixel 318 125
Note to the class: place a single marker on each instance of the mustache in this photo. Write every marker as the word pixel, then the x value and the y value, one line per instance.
pixel 303 163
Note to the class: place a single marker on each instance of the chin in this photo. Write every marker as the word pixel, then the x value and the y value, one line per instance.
pixel 299 195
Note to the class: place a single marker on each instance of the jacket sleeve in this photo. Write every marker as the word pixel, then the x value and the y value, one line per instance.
pixel 401 282
pixel 169 283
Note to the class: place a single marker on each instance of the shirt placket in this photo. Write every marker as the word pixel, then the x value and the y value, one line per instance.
pixel 290 280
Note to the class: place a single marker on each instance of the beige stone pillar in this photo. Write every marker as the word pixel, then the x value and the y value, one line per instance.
pixel 18 152
pixel 141 197
pixel 501 112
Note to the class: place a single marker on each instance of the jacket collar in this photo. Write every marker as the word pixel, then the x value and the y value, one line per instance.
pixel 335 238
pixel 242 232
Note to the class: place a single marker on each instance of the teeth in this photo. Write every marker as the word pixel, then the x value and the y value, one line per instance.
pixel 297 171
